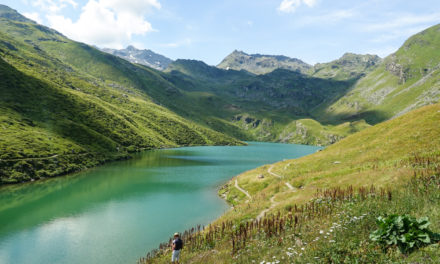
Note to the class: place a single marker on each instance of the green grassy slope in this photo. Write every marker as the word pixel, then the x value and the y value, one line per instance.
pixel 66 106
pixel 387 155
pixel 404 81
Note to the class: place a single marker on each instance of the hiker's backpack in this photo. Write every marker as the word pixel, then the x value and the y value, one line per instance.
pixel 178 244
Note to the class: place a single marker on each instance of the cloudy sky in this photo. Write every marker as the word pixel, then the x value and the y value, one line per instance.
pixel 208 30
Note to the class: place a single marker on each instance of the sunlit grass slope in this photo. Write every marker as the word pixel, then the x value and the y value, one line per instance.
pixel 377 155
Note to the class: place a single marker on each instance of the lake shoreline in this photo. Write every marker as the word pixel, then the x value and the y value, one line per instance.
pixel 99 163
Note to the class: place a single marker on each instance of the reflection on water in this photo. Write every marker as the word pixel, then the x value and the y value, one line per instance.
pixel 118 212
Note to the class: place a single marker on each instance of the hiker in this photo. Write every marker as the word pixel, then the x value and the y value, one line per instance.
pixel 176 246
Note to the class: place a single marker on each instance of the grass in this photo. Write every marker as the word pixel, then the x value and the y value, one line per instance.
pixel 400 158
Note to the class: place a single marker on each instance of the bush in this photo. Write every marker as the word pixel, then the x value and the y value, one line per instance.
pixel 405 232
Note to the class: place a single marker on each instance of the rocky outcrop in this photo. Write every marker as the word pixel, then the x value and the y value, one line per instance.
pixel 396 69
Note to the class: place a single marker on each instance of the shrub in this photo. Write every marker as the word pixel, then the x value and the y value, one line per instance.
pixel 405 232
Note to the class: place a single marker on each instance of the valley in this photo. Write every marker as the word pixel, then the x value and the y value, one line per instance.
pixel 316 105
pixel 142 138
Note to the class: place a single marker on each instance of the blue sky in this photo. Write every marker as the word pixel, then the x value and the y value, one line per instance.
pixel 208 30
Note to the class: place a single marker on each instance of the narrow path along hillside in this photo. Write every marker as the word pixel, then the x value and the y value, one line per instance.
pixel 242 190
pixel 278 176
pixel 273 203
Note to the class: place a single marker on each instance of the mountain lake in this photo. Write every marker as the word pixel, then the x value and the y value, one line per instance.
pixel 118 212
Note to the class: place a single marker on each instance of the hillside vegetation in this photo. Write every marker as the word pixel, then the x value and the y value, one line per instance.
pixel 65 106
pixel 406 80
pixel 322 207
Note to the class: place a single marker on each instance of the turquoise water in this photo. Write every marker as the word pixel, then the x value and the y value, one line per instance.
pixel 118 212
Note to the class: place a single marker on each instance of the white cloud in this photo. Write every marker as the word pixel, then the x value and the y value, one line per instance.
pixel 290 6
pixel 310 3
pixel 136 7
pixel 53 6
pixel 34 16
pixel 107 23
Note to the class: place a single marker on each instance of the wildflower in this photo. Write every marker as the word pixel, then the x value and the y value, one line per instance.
pixel 321 231
pixel 303 249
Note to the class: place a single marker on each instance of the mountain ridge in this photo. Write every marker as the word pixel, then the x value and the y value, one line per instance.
pixel 261 64
pixel 350 65
pixel 145 57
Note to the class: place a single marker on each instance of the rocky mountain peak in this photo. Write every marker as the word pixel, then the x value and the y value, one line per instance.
pixel 145 57
pixel 261 64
